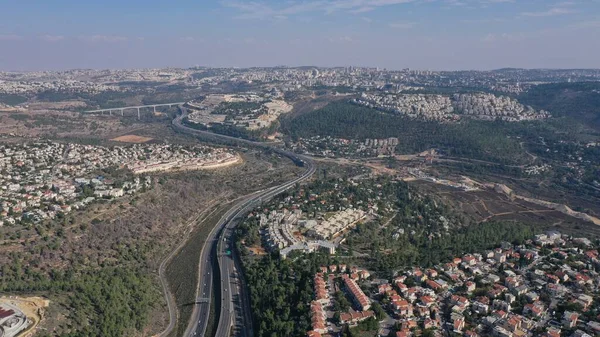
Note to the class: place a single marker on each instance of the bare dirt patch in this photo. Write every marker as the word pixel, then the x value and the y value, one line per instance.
pixel 488 205
pixel 257 250
pixel 132 139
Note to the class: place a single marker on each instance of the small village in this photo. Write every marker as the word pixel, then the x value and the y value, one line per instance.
pixel 338 147
pixel 39 180
pixel 545 287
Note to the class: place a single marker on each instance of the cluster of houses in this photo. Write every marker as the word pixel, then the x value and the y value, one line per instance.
pixel 547 287
pixel 406 304
pixel 285 230
pixel 542 288
pixel 213 159
pixel 322 317
pixel 434 107
pixel 327 146
pixel 482 106
pixel 280 228
pixel 337 224
pixel 38 180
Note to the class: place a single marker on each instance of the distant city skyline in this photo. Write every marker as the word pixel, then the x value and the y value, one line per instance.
pixel 392 34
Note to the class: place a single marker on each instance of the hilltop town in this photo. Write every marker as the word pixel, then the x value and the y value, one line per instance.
pixel 249 111
pixel 451 108
pixel 40 180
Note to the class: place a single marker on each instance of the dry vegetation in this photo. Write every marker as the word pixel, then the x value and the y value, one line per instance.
pixel 132 139
pixel 57 122
pixel 135 233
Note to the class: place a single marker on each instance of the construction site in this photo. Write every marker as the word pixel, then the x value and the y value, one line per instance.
pixel 20 316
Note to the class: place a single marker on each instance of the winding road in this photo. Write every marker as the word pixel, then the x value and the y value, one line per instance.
pixel 235 308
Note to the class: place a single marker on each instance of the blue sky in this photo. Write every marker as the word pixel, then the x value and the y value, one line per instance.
pixel 395 34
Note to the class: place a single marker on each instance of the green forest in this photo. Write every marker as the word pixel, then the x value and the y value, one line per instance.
pixel 12 99
pixel 388 254
pixel 281 292
pixel 109 301
pixel 471 139
pixel 580 100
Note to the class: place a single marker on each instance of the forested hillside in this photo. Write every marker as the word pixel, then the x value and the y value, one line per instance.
pixel 577 100
pixel 472 139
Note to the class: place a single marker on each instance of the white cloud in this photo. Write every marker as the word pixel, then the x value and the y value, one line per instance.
pixel 342 39
pixel 457 3
pixel 554 11
pixel 106 38
pixel 362 10
pixel 402 25
pixel 489 38
pixel 52 38
pixel 498 1
pixel 503 36
pixel 483 20
pixel 262 10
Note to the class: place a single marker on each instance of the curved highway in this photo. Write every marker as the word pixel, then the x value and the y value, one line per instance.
pixel 235 310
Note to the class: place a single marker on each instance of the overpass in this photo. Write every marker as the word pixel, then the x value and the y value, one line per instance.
pixel 137 107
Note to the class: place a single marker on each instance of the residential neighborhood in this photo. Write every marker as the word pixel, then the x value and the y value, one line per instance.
pixel 483 106
pixel 351 148
pixel 545 287
pixel 39 180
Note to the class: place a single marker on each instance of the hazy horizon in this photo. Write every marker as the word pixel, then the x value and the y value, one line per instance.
pixel 287 66
pixel 392 34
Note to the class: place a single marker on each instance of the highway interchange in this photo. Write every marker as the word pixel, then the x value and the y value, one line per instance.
pixel 235 311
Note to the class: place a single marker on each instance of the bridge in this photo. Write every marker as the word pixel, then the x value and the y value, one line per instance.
pixel 137 107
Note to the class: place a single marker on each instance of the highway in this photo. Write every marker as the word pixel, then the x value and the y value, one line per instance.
pixel 154 106
pixel 235 311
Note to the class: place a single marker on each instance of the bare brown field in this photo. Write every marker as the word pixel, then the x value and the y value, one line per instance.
pixel 489 205
pixel 132 139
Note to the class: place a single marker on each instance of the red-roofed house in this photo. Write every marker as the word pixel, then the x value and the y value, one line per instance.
pixel 384 288
pixel 570 319
pixel 358 296
pixel 433 285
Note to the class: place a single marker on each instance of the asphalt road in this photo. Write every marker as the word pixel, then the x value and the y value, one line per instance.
pixel 235 311
pixel 163 279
